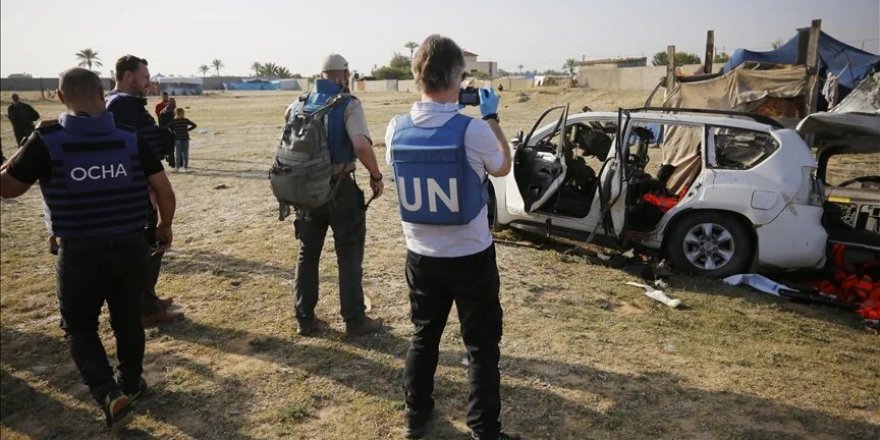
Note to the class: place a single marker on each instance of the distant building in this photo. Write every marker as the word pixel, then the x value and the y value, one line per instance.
pixel 20 75
pixel 615 62
pixel 470 63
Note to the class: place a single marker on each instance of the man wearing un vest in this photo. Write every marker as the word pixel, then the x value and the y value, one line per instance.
pixel 94 178
pixel 128 106
pixel 440 160
pixel 348 140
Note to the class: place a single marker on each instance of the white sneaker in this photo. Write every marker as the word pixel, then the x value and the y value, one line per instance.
pixel 186 170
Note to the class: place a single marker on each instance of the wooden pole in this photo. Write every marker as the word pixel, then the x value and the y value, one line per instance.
pixel 670 69
pixel 710 52
pixel 813 67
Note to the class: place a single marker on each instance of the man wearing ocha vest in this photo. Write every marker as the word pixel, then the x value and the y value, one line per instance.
pixel 94 178
pixel 348 140
pixel 440 160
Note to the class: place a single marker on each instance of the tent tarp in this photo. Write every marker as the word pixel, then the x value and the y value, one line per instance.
pixel 180 80
pixel 741 89
pixel 849 64
pixel 251 85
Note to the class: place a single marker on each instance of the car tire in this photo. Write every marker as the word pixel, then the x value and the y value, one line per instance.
pixel 492 211
pixel 710 244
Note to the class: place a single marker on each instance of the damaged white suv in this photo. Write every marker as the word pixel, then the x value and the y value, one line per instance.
pixel 729 191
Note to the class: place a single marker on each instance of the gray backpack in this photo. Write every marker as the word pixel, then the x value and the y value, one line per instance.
pixel 300 174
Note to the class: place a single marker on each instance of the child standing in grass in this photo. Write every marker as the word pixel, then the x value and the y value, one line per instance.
pixel 181 127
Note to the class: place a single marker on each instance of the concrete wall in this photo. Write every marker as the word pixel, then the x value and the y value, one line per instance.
pixel 382 85
pixel 513 83
pixel 407 85
pixel 628 78
pixel 36 84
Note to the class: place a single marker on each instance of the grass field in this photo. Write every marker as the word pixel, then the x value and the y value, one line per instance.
pixel 584 356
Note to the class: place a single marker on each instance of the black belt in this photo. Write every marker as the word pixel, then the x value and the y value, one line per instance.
pixel 93 243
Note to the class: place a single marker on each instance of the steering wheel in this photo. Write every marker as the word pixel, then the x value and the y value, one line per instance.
pixel 861 179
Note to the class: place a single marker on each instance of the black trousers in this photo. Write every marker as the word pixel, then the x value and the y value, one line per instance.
pixel 347 217
pixel 21 133
pixel 472 283
pixel 90 272
pixel 149 298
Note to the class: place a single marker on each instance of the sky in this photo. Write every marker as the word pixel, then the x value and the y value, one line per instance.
pixel 176 37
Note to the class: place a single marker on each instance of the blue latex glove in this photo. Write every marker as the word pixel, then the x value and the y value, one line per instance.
pixel 488 101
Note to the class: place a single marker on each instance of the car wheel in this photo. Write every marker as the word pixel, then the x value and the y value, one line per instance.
pixel 710 244
pixel 492 211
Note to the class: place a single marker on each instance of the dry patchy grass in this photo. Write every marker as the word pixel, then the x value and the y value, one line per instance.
pixel 583 357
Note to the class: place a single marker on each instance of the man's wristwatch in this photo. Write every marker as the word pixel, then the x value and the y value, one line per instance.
pixel 492 116
pixel 376 179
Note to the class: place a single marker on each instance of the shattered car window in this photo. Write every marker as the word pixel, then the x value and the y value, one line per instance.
pixel 738 149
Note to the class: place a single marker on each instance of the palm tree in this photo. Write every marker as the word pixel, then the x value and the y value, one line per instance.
pixel 88 58
pixel 217 65
pixel 411 45
pixel 268 69
pixel 570 64
pixel 520 68
pixel 204 69
pixel 257 68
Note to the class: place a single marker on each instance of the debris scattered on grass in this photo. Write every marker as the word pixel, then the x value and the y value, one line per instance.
pixel 757 281
pixel 657 295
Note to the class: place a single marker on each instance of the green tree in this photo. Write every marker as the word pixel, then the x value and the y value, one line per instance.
pixel 570 64
pixel 411 45
pixel 88 58
pixel 257 68
pixel 217 65
pixel 721 58
pixel 398 68
pixel 400 61
pixel 479 74
pixel 272 70
pixel 204 69
pixel 267 69
pixel 520 68
pixel 681 58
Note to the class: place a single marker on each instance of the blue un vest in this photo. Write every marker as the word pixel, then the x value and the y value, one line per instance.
pixel 435 183
pixel 97 187
pixel 341 149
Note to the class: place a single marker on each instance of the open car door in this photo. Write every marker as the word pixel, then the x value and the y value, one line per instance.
pixel 539 165
pixel 613 181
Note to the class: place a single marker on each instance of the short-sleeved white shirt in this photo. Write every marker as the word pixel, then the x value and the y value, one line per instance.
pixel 483 154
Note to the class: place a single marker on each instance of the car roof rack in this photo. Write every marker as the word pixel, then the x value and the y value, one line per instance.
pixel 757 118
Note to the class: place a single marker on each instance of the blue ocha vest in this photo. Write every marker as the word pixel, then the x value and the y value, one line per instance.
pixel 435 183
pixel 97 187
pixel 341 149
